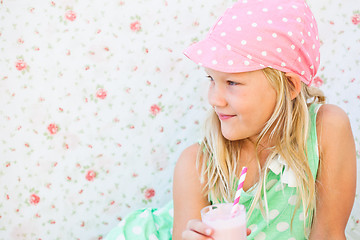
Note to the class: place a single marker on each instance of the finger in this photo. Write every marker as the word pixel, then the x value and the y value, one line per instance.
pixel 199 227
pixel 189 234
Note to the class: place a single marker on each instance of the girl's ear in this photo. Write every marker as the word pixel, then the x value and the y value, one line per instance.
pixel 296 82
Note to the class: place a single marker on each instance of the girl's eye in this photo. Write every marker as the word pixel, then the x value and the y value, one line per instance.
pixel 231 83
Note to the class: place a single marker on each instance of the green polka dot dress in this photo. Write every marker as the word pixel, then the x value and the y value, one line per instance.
pixel 156 224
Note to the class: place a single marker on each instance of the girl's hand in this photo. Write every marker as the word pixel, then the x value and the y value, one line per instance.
pixel 197 230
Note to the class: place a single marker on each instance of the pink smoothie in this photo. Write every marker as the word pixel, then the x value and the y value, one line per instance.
pixel 225 226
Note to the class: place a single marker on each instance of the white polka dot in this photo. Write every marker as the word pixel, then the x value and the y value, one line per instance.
pixel 299 59
pixel 171 212
pixel 259 38
pixel 301 216
pixel 243 42
pixel 213 48
pixel 262 65
pixel 220 22
pixel 238 29
pixel 280 7
pixel 285 19
pixel 317 59
pixel 290 34
pixel 269 21
pixel 263 53
pixel 302 72
pixel 317 38
pixel 137 230
pixel 144 214
pixel 153 237
pixel 298 19
pixel 246 63
pixel 249 56
pixel 200 64
pixel 265 9
pixel 283 64
pixel 274 35
pixel 234 17
pixel 223 34
pixel 292 200
pixel 230 62
pixel 309 34
pixel 253 227
pixel 228 47
pixel 254 24
pixel 282 226
pixel 249 13
pixel 199 52
pixel 292 47
pixel 294 6
pixel 302 41
pixel 311 25
pixel 278 50
pixel 214 62
pixel 260 236
pixel 313 46
pixel 121 237
pixel 273 214
pixel 312 67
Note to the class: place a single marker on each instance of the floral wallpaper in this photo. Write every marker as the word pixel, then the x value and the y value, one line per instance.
pixel 97 101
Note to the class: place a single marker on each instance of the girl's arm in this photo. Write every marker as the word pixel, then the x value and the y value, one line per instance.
pixel 188 197
pixel 336 180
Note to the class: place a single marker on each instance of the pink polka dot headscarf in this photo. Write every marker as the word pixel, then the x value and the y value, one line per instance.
pixel 255 34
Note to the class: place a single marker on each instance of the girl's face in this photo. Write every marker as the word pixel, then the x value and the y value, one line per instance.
pixel 244 102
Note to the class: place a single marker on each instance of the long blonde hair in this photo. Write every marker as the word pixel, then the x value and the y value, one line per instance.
pixel 287 127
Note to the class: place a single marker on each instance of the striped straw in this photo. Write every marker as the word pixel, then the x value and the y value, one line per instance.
pixel 240 186
pixel 236 206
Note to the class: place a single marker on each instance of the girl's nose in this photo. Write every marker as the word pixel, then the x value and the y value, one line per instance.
pixel 216 97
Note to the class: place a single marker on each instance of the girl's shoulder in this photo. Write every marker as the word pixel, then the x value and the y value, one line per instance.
pixel 185 167
pixel 189 155
pixel 332 126
pixel 330 119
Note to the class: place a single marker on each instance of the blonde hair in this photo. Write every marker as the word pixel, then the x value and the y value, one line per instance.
pixel 288 127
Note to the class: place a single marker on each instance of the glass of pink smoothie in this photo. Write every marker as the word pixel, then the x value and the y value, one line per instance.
pixel 226 226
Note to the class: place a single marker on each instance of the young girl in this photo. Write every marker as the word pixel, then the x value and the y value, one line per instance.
pixel 261 56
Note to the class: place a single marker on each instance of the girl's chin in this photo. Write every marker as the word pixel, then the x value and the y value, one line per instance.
pixel 230 136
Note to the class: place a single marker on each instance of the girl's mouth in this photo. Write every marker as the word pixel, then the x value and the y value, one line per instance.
pixel 223 117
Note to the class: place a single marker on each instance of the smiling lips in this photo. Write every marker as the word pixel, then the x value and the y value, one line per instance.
pixel 224 116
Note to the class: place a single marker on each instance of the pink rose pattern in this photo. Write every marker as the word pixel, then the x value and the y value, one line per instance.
pixel 90 175
pixel 20 65
pixel 356 19
pixel 34 199
pixel 135 26
pixel 101 93
pixel 93 109
pixel 70 15
pixel 149 193
pixel 52 128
